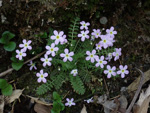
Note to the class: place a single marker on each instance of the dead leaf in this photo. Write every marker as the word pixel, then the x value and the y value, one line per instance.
pixel 142 104
pixel 39 108
pixel 1 103
pixel 34 99
pixel 15 95
pixel 134 85
pixel 83 109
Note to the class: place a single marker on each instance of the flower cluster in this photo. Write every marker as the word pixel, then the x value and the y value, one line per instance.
pixel 22 53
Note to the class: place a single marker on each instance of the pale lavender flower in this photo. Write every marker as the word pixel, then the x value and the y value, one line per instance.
pixel 106 42
pixel 89 100
pixel 46 60
pixel 70 102
pixel 96 33
pixel 51 49
pixel 99 46
pixel 74 72
pixel 111 31
pixel 109 57
pixel 117 54
pixel 110 71
pixel 20 54
pixel 67 55
pixel 32 65
pixel 100 62
pixel 83 35
pixel 91 56
pixel 65 40
pixel 25 45
pixel 84 25
pixel 41 76
pixel 123 71
pixel 92 37
pixel 58 37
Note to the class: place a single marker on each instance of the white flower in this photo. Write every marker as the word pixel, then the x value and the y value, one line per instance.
pixel 20 54
pixel 96 33
pixel 101 62
pixel 89 100
pixel 84 25
pixel 106 41
pixel 117 53
pixel 83 35
pixel 110 71
pixel 99 46
pixel 92 37
pixel 91 56
pixel 123 71
pixel 111 31
pixel 67 55
pixel 25 45
pixel 51 49
pixel 32 65
pixel 70 102
pixel 46 61
pixel 74 72
pixel 109 57
pixel 58 37
pixel 41 76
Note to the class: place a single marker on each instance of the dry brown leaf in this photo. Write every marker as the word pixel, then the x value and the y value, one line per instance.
pixel 39 108
pixel 15 95
pixel 34 99
pixel 1 103
pixel 83 109
pixel 134 85
pixel 142 104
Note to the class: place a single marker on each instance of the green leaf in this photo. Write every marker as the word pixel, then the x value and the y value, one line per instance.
pixel 7 91
pixel 56 96
pixel 10 46
pixel 3 83
pixel 6 36
pixel 44 35
pixel 17 65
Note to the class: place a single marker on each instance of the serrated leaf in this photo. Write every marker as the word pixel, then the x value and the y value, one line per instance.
pixel 17 65
pixel 10 46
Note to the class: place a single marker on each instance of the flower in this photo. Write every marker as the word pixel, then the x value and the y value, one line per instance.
pixel 52 49
pixel 83 35
pixel 32 65
pixel 84 25
pixel 74 72
pixel 20 54
pixel 96 33
pixel 25 45
pixel 111 32
pixel 106 41
pixel 92 37
pixel 67 55
pixel 58 37
pixel 46 60
pixel 110 71
pixel 65 40
pixel 70 102
pixel 100 62
pixel 89 100
pixel 91 55
pixel 123 71
pixel 109 57
pixel 41 76
pixel 117 53
pixel 99 46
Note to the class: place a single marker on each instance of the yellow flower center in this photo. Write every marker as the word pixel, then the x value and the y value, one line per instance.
pixel 69 102
pixel 111 32
pixel 67 55
pixel 84 24
pixel 57 37
pixel 98 45
pixel 32 64
pixel 20 54
pixel 83 34
pixel 104 41
pixel 46 60
pixel 110 71
pixel 123 70
pixel 26 45
pixel 97 33
pixel 100 62
pixel 91 55
pixel 52 49
pixel 117 54
pixel 42 76
pixel 75 71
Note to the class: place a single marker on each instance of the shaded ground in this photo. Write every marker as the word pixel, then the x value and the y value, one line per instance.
pixel 131 20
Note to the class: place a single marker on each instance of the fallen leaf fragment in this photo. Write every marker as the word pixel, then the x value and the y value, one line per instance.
pixel 83 109
pixel 142 104
pixel 39 108
pixel 15 95
pixel 1 103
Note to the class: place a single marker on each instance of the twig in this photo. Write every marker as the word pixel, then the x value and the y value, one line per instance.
pixel 11 69
pixel 137 92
